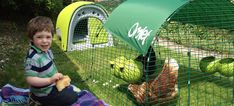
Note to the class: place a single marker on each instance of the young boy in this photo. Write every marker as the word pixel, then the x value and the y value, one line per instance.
pixel 40 70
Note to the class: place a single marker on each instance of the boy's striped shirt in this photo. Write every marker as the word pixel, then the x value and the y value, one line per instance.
pixel 40 64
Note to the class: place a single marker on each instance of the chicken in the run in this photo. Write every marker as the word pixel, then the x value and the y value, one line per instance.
pixel 162 88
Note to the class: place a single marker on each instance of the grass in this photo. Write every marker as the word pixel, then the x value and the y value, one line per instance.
pixel 92 64
pixel 90 61
pixel 206 38
pixel 13 45
pixel 204 89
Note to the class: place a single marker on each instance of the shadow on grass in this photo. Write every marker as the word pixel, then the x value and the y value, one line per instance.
pixel 196 76
pixel 13 46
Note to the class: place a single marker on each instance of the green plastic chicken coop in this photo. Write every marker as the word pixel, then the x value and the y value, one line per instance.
pixel 164 52
pixel 76 26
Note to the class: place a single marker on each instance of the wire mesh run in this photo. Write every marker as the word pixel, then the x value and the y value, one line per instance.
pixel 190 61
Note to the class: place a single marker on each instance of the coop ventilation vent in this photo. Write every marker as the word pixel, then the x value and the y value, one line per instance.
pixel 80 26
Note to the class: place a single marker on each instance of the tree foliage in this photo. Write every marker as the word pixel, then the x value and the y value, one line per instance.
pixel 29 8
pixel 26 9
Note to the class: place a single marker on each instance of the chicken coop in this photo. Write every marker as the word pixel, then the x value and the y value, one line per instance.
pixel 164 52
pixel 77 25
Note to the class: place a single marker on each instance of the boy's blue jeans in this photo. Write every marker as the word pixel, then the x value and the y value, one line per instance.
pixel 64 98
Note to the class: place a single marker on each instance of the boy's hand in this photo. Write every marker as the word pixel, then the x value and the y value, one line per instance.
pixel 62 83
pixel 56 77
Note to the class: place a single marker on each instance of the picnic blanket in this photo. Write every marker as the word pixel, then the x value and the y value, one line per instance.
pixel 11 95
pixel 86 98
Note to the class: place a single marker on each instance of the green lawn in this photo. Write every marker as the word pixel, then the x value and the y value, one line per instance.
pixel 198 36
pixel 204 89
pixel 13 46
pixel 90 69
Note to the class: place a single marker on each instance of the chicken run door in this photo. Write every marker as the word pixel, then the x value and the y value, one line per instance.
pixel 80 26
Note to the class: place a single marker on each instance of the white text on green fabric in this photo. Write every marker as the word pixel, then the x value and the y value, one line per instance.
pixel 139 33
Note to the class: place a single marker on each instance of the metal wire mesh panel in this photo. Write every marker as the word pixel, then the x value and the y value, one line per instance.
pixel 97 63
pixel 189 62
pixel 199 38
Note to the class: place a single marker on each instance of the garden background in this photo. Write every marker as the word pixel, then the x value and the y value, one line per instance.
pixel 13 41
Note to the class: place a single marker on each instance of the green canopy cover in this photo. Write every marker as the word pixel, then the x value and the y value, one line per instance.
pixel 137 21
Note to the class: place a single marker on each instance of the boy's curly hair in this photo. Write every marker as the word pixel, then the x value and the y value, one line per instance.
pixel 39 23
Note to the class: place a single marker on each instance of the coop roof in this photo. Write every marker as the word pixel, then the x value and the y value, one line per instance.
pixel 64 20
pixel 137 21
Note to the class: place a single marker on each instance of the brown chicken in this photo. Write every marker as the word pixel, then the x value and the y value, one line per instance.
pixel 162 88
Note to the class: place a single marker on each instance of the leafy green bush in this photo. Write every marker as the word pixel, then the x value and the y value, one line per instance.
pixel 30 8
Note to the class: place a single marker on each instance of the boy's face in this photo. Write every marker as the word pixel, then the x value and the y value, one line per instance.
pixel 42 40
